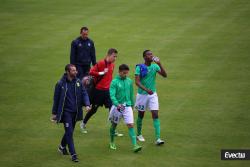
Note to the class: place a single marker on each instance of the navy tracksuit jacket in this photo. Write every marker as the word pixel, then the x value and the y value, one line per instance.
pixel 82 54
pixel 69 97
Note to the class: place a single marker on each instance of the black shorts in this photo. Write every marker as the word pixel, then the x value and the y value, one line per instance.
pixel 101 97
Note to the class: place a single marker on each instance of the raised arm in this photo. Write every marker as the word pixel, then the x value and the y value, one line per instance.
pixel 162 71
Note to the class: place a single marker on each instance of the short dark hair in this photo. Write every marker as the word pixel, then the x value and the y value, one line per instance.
pixel 123 67
pixel 145 52
pixel 68 66
pixel 84 28
pixel 112 50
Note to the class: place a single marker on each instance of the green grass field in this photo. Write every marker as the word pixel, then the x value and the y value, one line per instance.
pixel 204 103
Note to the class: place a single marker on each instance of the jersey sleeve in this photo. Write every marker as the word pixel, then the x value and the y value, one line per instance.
pixel 137 70
pixel 112 91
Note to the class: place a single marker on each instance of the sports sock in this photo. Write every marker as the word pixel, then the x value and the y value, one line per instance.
pixel 112 133
pixel 139 125
pixel 157 128
pixel 131 132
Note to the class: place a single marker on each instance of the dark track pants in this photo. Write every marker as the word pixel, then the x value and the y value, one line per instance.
pixel 69 126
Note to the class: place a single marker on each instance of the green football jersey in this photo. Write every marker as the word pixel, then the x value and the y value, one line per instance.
pixel 149 80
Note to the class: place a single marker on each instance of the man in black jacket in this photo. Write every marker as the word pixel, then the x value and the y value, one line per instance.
pixel 82 53
pixel 69 97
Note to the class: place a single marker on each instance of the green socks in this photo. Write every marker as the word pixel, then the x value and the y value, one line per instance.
pixel 112 133
pixel 139 125
pixel 156 123
pixel 132 135
pixel 157 128
pixel 131 132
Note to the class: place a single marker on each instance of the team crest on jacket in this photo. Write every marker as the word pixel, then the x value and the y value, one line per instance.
pixel 78 84
pixel 80 45
pixel 89 44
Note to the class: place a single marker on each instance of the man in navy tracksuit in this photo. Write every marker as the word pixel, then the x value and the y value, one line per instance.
pixel 82 53
pixel 69 97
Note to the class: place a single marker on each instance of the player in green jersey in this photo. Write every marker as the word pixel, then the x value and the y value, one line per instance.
pixel 146 97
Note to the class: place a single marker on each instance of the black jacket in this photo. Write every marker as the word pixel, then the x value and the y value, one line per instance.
pixel 82 52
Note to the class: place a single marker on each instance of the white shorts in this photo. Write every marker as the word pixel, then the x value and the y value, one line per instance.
pixel 127 114
pixel 144 102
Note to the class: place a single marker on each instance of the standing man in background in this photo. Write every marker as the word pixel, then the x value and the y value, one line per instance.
pixel 82 53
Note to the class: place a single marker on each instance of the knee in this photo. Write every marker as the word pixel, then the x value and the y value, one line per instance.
pixel 69 132
pixel 114 125
pixel 155 117
pixel 130 125
pixel 155 114
pixel 140 114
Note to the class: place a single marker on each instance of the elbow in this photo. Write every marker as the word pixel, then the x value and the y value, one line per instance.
pixel 92 73
pixel 137 83
pixel 165 75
